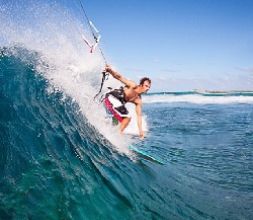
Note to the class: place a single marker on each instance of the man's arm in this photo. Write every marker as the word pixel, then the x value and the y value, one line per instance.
pixel 139 118
pixel 119 77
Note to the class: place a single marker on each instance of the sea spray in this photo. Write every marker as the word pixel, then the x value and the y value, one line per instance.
pixel 53 33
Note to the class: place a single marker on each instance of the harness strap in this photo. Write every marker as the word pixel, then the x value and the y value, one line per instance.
pixel 104 77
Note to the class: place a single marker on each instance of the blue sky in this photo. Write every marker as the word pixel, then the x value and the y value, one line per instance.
pixel 180 44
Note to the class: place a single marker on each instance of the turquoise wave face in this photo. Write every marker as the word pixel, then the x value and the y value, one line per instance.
pixel 51 157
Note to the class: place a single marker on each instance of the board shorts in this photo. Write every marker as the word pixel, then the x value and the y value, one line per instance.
pixel 116 108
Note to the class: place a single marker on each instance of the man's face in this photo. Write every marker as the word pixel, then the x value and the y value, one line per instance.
pixel 146 86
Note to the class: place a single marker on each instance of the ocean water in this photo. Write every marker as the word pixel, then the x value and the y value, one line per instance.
pixel 56 165
pixel 60 158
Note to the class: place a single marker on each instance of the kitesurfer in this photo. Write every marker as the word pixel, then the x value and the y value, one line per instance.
pixel 116 99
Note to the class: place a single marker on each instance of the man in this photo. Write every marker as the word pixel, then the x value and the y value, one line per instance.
pixel 116 99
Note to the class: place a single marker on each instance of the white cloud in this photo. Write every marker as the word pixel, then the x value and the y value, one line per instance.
pixel 245 69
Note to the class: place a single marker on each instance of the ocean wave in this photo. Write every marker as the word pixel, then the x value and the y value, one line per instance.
pixel 46 142
pixel 198 99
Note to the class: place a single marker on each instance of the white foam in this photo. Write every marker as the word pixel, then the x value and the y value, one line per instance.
pixel 132 128
pixel 198 99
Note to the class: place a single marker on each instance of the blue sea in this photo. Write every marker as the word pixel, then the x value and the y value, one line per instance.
pixel 56 164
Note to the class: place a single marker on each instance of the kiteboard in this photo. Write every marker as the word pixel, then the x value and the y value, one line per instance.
pixel 145 155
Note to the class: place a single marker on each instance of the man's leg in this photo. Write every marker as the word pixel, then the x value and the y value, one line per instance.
pixel 124 124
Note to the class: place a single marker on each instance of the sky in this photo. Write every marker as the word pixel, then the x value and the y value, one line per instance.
pixel 179 44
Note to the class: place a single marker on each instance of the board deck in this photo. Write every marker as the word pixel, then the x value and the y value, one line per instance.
pixel 145 155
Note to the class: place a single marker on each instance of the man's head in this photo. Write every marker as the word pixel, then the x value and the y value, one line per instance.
pixel 145 84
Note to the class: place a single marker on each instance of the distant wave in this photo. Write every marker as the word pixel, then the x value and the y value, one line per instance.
pixel 200 98
pixel 206 93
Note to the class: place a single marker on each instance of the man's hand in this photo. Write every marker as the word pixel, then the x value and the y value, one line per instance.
pixel 108 68
pixel 141 135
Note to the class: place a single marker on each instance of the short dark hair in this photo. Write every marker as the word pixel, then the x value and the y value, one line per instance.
pixel 142 80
